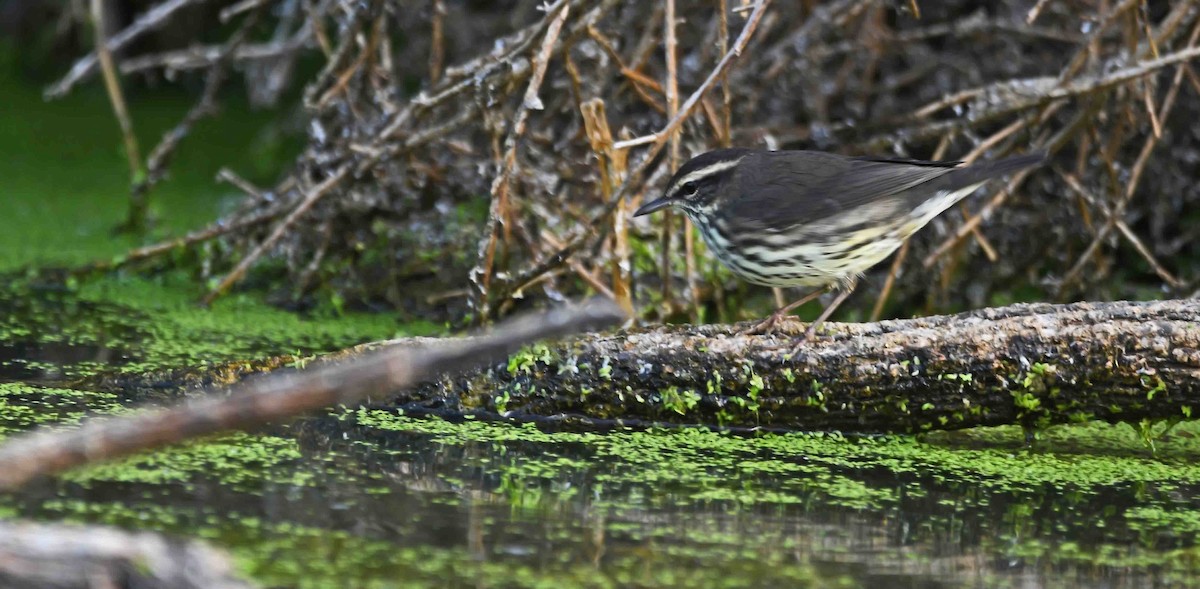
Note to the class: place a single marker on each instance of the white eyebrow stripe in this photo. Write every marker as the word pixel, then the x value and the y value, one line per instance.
pixel 706 171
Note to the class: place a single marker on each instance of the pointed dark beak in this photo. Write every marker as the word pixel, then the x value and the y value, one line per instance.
pixel 654 205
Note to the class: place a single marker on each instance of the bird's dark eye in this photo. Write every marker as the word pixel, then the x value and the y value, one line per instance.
pixel 689 189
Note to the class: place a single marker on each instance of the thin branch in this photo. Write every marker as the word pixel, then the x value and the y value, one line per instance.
pixel 1034 12
pixel 205 56
pixel 889 282
pixel 437 44
pixel 1122 227
pixel 237 8
pixel 159 161
pixel 306 202
pixel 86 66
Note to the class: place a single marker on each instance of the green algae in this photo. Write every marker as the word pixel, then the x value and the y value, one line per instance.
pixel 236 327
pixel 691 467
pixel 153 324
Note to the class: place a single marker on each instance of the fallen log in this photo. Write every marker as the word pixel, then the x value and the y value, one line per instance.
pixel 1030 364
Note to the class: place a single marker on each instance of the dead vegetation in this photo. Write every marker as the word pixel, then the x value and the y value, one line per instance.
pixel 489 154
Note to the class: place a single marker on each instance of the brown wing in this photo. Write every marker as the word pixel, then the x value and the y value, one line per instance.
pixel 781 189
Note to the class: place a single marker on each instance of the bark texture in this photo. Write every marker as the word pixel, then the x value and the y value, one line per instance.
pixel 1033 364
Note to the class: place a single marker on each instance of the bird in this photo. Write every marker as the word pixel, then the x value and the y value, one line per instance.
pixel 796 218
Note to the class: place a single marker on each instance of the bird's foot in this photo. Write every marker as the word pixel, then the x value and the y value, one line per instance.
pixel 766 326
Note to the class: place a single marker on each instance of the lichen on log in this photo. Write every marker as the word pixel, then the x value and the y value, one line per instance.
pixel 1029 364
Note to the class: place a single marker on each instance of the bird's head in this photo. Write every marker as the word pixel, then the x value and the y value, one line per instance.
pixel 696 185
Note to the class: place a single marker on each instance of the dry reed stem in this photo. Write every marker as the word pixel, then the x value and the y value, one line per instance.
pixel 889 282
pixel 1034 12
pixel 670 45
pixel 612 168
pixel 437 43
pixel 726 136
pixel 138 205
pixel 916 10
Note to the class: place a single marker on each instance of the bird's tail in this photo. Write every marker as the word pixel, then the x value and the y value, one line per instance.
pixel 984 171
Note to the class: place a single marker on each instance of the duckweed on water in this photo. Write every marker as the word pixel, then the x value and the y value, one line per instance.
pixel 24 406
pixel 154 325
pixel 241 326
pixel 238 460
pixel 990 458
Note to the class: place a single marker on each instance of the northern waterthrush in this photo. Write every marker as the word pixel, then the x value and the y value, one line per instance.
pixel 807 218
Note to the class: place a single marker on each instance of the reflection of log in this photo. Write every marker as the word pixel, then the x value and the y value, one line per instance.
pixel 1032 364
pixel 54 555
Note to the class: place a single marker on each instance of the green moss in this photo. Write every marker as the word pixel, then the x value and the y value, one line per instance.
pixel 679 401
pixel 525 360
pixel 1121 460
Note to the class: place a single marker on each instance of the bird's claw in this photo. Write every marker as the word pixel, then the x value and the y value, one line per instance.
pixel 764 327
